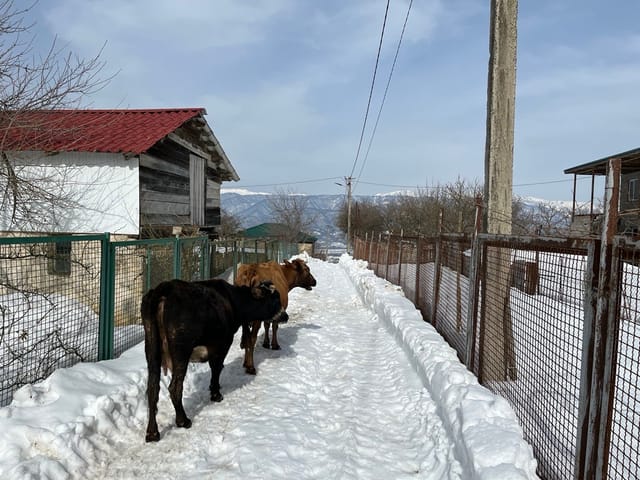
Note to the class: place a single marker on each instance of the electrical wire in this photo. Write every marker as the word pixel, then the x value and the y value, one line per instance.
pixel 391 185
pixel 314 180
pixel 433 188
pixel 384 97
pixel 373 81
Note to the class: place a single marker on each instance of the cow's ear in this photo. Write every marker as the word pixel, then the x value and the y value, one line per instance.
pixel 287 262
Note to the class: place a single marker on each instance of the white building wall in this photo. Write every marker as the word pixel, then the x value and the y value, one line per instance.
pixel 100 193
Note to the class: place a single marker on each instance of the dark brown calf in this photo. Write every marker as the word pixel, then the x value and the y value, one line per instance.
pixel 196 321
pixel 285 277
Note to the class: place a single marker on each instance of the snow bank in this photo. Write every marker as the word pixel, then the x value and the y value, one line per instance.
pixel 68 422
pixel 484 427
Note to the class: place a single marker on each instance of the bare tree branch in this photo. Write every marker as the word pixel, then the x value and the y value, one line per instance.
pixel 291 209
pixel 30 81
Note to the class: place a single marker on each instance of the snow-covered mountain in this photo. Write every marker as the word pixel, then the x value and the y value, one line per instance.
pixel 252 208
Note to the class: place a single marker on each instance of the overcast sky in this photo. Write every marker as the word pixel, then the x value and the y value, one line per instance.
pixel 286 83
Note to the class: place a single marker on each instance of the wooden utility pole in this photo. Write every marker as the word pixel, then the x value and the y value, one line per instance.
pixel 498 362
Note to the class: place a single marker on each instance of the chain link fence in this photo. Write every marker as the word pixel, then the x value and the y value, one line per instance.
pixel 524 314
pixel 70 299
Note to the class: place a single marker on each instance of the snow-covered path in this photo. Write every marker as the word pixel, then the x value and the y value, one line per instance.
pixel 362 389
pixel 338 401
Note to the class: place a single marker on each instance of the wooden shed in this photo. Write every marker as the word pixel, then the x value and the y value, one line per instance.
pixel 588 222
pixel 134 172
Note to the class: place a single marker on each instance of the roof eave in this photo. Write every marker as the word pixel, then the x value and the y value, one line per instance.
pixel 226 164
pixel 630 160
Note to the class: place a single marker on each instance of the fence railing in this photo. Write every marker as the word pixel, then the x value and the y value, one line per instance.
pixel 69 299
pixel 525 315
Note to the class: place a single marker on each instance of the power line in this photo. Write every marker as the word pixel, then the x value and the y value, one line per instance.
pixel 414 186
pixel 314 180
pixel 373 81
pixel 436 187
pixel 384 97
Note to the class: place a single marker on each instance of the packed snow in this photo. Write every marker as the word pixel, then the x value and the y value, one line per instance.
pixel 363 388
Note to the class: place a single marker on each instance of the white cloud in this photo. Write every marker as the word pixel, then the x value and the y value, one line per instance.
pixel 197 24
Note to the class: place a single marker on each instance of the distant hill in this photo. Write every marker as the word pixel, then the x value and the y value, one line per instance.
pixel 252 208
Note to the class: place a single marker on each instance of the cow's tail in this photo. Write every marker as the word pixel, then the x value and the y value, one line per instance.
pixel 152 310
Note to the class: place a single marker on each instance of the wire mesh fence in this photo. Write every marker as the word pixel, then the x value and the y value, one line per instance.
pixel 50 306
pixel 529 338
pixel 625 416
pixel 521 312
pixel 69 299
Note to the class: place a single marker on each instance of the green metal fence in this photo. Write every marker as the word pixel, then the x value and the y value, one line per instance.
pixel 67 299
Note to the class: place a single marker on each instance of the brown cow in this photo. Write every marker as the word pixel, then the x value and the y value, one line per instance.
pixel 285 277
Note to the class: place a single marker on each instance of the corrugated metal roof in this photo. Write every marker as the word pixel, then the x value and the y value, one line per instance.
pixel 114 131
pixel 630 163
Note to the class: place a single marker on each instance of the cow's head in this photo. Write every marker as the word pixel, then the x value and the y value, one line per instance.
pixel 303 277
pixel 265 289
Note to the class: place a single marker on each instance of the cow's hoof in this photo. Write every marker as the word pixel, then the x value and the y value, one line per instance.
pixel 275 347
pixel 250 370
pixel 216 397
pixel 152 437
pixel 266 345
pixel 186 423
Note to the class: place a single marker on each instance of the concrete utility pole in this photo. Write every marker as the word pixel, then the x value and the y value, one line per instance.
pixel 501 95
pixel 347 183
pixel 498 362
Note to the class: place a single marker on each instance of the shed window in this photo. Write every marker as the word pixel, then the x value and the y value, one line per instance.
pixel 59 262
pixel 633 190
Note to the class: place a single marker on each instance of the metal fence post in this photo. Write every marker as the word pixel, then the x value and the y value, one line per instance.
pixel 416 296
pixel 205 265
pixel 378 253
pixel 386 261
pixel 177 257
pixel 593 448
pixel 235 259
pixel 400 260
pixel 436 280
pixel 107 300
pixel 474 294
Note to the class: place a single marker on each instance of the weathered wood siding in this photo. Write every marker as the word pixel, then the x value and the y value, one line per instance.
pixel 177 188
pixel 212 210
pixel 164 188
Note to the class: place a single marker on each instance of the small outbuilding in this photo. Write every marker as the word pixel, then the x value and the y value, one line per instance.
pixel 278 231
pixel 141 173
pixel 587 221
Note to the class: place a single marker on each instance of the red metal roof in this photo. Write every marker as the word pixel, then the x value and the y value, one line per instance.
pixel 115 131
